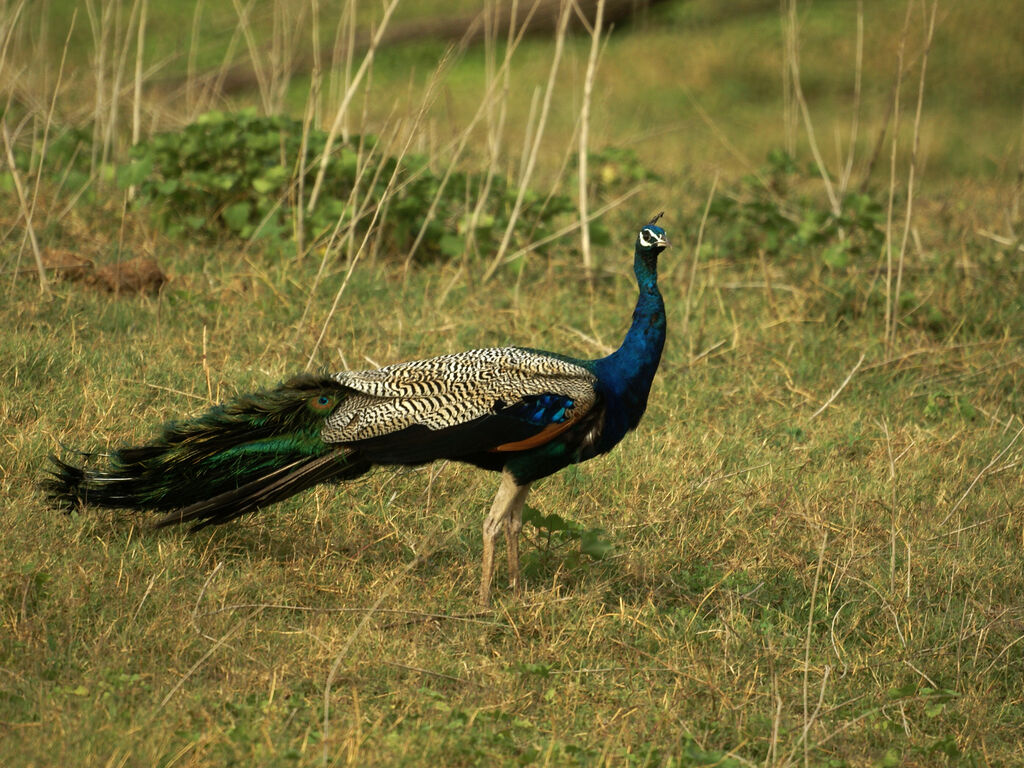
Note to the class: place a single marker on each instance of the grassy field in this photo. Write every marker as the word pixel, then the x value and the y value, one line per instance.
pixel 816 533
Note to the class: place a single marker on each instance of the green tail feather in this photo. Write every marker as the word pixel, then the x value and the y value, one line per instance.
pixel 253 451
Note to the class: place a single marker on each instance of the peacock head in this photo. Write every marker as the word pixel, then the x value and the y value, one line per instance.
pixel 651 241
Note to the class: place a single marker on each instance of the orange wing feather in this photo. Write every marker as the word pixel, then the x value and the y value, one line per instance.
pixel 549 432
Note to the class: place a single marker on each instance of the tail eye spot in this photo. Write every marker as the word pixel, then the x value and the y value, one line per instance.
pixel 321 403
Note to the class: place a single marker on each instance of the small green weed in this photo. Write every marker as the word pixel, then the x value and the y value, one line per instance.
pixel 556 534
pixel 66 159
pixel 941 404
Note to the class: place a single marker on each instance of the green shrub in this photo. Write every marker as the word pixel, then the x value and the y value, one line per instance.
pixel 239 173
pixel 770 212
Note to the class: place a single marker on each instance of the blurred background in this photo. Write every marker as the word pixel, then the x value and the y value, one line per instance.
pixel 683 90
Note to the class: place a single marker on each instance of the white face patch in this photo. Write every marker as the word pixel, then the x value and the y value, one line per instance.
pixel 647 238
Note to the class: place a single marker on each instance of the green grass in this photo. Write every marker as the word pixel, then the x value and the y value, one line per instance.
pixel 785 588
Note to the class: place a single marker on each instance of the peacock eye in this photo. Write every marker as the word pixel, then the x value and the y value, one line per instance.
pixel 321 403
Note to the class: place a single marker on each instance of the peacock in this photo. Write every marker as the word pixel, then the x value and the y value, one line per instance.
pixel 524 413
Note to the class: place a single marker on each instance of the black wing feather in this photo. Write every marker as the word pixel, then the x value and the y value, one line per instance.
pixel 472 440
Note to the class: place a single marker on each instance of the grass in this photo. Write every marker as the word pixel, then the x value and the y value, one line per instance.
pixel 786 586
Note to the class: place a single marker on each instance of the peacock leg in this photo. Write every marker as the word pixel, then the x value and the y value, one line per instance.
pixel 508 502
pixel 513 525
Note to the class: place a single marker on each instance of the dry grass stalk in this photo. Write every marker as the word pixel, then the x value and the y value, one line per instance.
pixel 809 718
pixel 140 46
pixel 339 115
pixel 798 93
pixel 838 389
pixel 693 265
pixel 114 100
pixel 43 145
pixel 790 116
pixel 10 26
pixel 844 179
pixel 344 47
pixel 308 117
pixel 191 79
pixel 491 93
pixel 911 173
pixel 890 299
pixel 495 113
pixel 343 233
pixel 99 25
pixel 570 228
pixel 892 507
pixel 262 77
pixel 538 135
pixel 19 188
pixel 380 209
pixel 978 477
pixel 588 90
pixel 215 85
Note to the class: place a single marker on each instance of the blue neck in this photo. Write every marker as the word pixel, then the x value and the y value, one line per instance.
pixel 626 375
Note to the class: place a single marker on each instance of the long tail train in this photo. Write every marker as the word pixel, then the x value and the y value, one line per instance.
pixel 249 453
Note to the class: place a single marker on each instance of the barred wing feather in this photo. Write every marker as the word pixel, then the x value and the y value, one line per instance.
pixel 526 391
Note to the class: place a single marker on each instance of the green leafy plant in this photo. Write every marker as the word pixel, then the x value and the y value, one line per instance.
pixel 66 160
pixel 614 170
pixel 239 174
pixel 942 404
pixel 556 536
pixel 770 212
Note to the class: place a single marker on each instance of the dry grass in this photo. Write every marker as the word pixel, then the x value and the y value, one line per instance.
pixel 817 531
